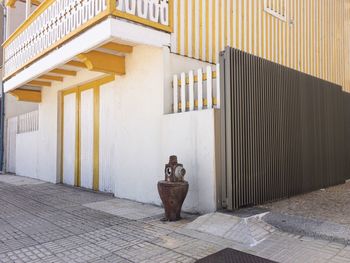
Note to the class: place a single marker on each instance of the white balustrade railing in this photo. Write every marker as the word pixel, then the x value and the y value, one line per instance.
pixel 28 122
pixel 53 24
pixel 153 10
pixel 55 21
pixel 197 90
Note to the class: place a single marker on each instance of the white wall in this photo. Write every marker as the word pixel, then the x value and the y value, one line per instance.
pixel 27 154
pixel 136 138
pixel 15 108
pixel 191 136
pixel 132 107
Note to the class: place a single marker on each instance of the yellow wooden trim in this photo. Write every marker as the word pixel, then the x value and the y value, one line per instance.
pixel 118 47
pixel 204 78
pixel 231 23
pixel 37 83
pixel 96 84
pixel 142 21
pixel 178 37
pixel 96 139
pixel 186 27
pixel 36 2
pixel 207 27
pixel 27 95
pixel 62 134
pixel 69 91
pixel 194 42
pixel 57 44
pixel 201 30
pixel 171 15
pixel 111 5
pixel 77 64
pixel 50 77
pixel 205 103
pixel 64 72
pixel 103 62
pixel 225 27
pixel 216 51
pixel 12 3
pixel 77 179
pixel 214 3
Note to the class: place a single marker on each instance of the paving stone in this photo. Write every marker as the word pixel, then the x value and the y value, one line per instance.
pixel 111 258
pixel 46 223
pixel 141 252
pixel 127 209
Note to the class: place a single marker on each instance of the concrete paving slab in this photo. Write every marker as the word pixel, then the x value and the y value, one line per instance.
pixel 248 231
pixel 125 208
pixel 18 180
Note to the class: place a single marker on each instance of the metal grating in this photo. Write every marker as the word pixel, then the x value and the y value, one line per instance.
pixel 229 255
pixel 283 131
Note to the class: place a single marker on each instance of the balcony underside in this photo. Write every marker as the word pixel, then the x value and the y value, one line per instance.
pixel 101 49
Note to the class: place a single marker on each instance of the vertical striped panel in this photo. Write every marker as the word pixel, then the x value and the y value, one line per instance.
pixel 307 35
pixel 291 140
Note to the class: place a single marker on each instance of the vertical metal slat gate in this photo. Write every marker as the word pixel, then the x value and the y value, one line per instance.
pixel 283 131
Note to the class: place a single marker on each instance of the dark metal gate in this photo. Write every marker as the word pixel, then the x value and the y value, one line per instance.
pixel 283 131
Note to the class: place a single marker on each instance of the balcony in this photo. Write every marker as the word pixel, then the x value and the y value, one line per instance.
pixel 56 23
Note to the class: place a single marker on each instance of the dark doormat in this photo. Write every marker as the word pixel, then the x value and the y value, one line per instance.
pixel 229 255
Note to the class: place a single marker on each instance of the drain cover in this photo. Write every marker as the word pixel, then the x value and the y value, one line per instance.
pixel 229 255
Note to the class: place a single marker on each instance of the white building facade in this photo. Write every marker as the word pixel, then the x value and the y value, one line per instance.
pixel 122 84
pixel 105 101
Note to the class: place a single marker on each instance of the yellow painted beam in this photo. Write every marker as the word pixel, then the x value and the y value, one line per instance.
pixel 12 3
pixel 36 2
pixel 50 77
pixel 38 83
pixel 118 47
pixel 64 72
pixel 103 62
pixel 27 95
pixel 76 64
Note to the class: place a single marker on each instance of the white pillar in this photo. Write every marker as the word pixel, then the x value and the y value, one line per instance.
pixel 8 21
pixel 28 7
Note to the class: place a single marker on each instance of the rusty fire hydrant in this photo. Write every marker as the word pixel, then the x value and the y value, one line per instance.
pixel 173 189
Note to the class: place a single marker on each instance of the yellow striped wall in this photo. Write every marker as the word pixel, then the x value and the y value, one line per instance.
pixel 314 37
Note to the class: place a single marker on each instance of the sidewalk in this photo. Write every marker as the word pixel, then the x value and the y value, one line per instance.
pixel 42 222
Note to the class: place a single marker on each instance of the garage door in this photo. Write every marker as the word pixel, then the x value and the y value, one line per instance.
pixel 80 140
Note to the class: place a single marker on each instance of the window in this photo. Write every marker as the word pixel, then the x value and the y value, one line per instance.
pixel 277 8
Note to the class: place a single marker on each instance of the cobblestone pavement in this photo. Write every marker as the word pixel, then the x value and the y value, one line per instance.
pixel 331 204
pixel 42 222
pixel 324 214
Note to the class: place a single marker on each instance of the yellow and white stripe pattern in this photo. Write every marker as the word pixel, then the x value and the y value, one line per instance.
pixel 312 36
